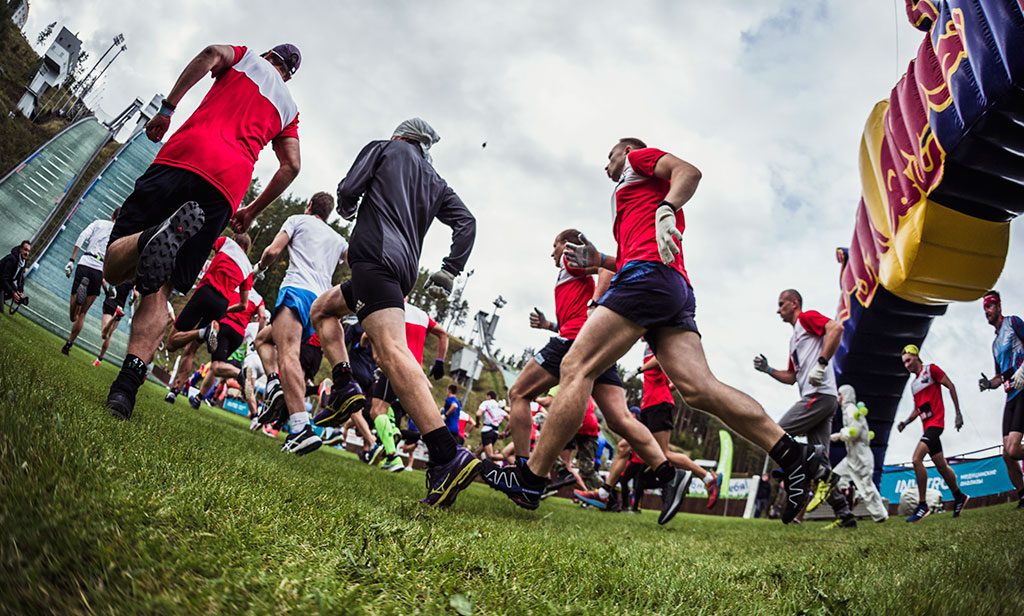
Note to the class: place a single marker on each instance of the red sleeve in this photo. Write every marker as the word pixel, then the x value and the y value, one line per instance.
pixel 292 130
pixel 239 52
pixel 813 321
pixel 643 161
pixel 937 373
pixel 217 245
pixel 573 271
pixel 431 323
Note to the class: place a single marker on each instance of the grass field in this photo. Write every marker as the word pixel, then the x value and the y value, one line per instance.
pixel 182 511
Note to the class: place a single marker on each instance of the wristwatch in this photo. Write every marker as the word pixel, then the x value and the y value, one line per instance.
pixel 822 361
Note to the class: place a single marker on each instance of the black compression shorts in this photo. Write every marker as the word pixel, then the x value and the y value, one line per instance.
pixel 205 306
pixel 372 287
pixel 228 341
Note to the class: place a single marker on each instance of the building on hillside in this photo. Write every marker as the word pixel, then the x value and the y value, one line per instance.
pixel 58 62
pixel 20 14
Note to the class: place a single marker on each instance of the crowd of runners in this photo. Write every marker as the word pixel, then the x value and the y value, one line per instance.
pixel 159 241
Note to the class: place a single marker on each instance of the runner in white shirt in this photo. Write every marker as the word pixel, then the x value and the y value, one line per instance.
pixel 92 241
pixel 315 250
pixel 492 414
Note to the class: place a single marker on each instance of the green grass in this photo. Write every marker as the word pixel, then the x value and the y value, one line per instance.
pixel 179 511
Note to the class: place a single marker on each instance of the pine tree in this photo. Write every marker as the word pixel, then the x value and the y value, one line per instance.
pixel 45 34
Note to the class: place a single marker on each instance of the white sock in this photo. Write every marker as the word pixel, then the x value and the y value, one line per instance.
pixel 709 479
pixel 602 492
pixel 298 421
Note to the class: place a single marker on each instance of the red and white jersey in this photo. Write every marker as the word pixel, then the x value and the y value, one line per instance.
pixel 463 420
pixel 928 396
pixel 590 426
pixel 573 290
pixel 239 321
pixel 534 409
pixel 417 322
pixel 636 200
pixel 804 350
pixel 228 269
pixel 247 107
pixel 656 384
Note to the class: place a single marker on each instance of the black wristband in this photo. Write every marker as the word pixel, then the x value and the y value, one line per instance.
pixel 168 104
pixel 822 361
pixel 674 208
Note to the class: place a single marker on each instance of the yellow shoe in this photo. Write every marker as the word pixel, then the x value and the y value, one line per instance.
pixel 821 494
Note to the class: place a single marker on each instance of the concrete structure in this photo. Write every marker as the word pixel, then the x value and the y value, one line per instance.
pixel 148 112
pixel 58 62
pixel 20 15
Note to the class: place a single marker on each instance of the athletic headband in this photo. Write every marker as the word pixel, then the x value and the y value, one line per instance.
pixel 912 349
pixel 989 300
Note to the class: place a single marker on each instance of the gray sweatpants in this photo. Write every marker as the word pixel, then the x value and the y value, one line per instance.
pixel 812 417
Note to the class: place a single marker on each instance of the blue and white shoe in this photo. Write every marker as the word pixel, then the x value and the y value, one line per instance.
pixel 194 402
pixel 302 442
pixel 919 513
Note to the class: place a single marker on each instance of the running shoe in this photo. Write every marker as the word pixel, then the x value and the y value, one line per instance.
pixel 508 479
pixel 445 481
pixel 958 506
pixel 302 442
pixel 797 478
pixel 337 438
pixel 672 494
pixel 254 424
pixel 713 488
pixel 274 408
pixel 919 513
pixel 171 396
pixel 82 292
pixel 592 498
pixel 393 465
pixel 1020 503
pixel 324 391
pixel 118 313
pixel 847 522
pixel 157 257
pixel 822 491
pixel 633 511
pixel 195 401
pixel 375 454
pixel 66 349
pixel 341 403
pixel 364 456
pixel 97 362
pixel 120 404
pixel 209 335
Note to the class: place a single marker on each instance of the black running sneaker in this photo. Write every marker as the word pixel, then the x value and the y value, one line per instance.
pixel 195 401
pixel 302 442
pixel 958 506
pixel 672 494
pixel 445 481
pixel 120 404
pixel 508 479
pixel 797 478
pixel 66 349
pixel 208 335
pixel 341 403
pixel 156 260
pixel 274 406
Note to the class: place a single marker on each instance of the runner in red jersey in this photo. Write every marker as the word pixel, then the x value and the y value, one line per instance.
pixel 184 200
pixel 575 289
pixel 650 296
pixel 229 337
pixel 927 386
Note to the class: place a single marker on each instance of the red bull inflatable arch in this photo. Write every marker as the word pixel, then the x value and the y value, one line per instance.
pixel 942 174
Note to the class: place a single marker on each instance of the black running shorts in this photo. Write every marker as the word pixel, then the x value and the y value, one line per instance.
pixel 382 389
pixel 93 280
pixel 110 305
pixel 550 358
pixel 411 437
pixel 658 417
pixel 310 358
pixel 1013 414
pixel 931 439
pixel 205 306
pixel 228 341
pixel 372 287
pixel 159 192
pixel 488 437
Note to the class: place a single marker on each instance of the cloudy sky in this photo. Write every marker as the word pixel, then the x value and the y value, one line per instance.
pixel 767 98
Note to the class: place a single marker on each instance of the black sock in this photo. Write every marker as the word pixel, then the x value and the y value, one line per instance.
pixel 522 460
pixel 608 488
pixel 786 452
pixel 531 479
pixel 272 377
pixel 440 445
pixel 145 236
pixel 311 390
pixel 664 473
pixel 341 374
pixel 132 375
pixel 956 494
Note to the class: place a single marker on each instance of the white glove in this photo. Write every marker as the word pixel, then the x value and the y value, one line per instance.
pixel 761 364
pixel 817 374
pixel 113 292
pixel 258 273
pixel 439 284
pixel 1017 381
pixel 667 233
pixel 67 269
pixel 584 254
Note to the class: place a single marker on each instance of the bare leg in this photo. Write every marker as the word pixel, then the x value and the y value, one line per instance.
pixel 532 382
pixel 612 401
pixel 177 339
pixel 109 323
pixel 363 428
pixel 946 472
pixel 287 335
pixel 79 319
pixel 220 369
pixel 264 345
pixel 619 463
pixel 1013 453
pixel 387 329
pixel 121 259
pixel 325 315
pixel 919 471
pixel 679 460
pixel 149 322
pixel 682 357
pixel 185 367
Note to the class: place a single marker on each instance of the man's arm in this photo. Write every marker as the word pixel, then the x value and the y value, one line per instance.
pixel 833 335
pixel 243 297
pixel 272 252
pixel 442 340
pixel 604 280
pixel 682 176
pixel 262 318
pixel 215 59
pixel 903 424
pixel 356 181
pixel 948 384
pixel 289 162
pixel 456 215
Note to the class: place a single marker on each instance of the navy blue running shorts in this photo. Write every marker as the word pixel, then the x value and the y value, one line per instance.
pixel 550 358
pixel 652 295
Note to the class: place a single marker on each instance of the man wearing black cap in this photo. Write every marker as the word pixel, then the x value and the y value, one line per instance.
pixel 398 194
pixel 184 200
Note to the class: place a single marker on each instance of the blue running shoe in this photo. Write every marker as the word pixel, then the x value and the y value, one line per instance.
pixel 919 513
pixel 510 480
pixel 958 506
